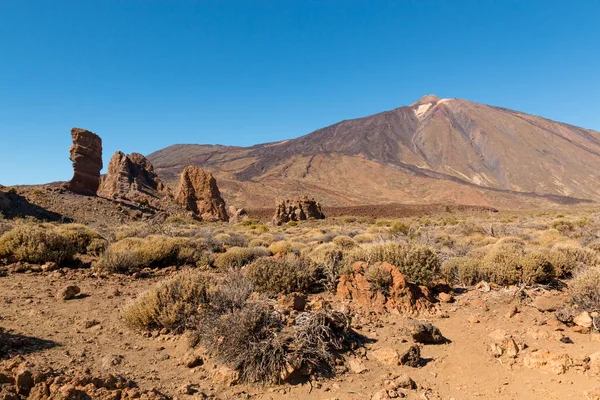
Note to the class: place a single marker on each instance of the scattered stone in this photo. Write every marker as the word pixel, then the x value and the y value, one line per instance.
pixel 446 297
pixel 23 379
pixel 226 376
pixel 356 366
pixel 68 292
pixel 548 303
pixel 566 340
pixel 584 319
pixel 547 361
pixel 192 360
pixel 198 193
pixel 387 356
pixel 299 209
pixel 424 332
pixel 49 267
pixel 472 319
pixel 579 329
pixel 479 304
pixel 411 357
pixel 512 312
pixel 293 301
pixel 86 155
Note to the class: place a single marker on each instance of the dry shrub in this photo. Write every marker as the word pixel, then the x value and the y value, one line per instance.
pixel 254 340
pixel 40 243
pixel 502 263
pixel 366 238
pixel 585 289
pixel 170 304
pixel 567 260
pixel 132 254
pixel 419 263
pixel 282 247
pixel 345 242
pixel 83 238
pixel 462 270
pixel 237 257
pixel 259 242
pixel 328 259
pixel 400 228
pixel 286 274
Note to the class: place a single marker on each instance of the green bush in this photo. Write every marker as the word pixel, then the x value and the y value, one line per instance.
pixel 286 274
pixel 237 257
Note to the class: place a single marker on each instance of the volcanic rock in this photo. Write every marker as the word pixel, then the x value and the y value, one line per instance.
pixel 402 295
pixel 237 215
pixel 86 154
pixel 424 332
pixel 198 193
pixel 68 292
pixel 299 209
pixel 132 177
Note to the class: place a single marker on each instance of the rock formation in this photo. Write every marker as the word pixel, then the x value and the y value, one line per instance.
pixel 401 295
pixel 198 193
pixel 132 177
pixel 86 154
pixel 299 209
pixel 237 215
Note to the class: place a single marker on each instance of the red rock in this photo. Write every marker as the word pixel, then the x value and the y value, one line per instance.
pixel 86 155
pixel 299 209
pixel 198 193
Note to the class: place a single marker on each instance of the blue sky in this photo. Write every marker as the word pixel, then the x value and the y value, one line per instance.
pixel 148 74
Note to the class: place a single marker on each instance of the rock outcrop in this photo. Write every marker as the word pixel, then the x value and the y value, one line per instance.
pixel 400 295
pixel 237 215
pixel 86 155
pixel 299 209
pixel 198 193
pixel 132 177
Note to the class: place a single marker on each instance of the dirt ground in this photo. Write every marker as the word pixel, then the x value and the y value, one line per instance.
pixel 87 333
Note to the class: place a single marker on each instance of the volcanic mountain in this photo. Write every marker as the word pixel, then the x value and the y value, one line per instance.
pixel 433 151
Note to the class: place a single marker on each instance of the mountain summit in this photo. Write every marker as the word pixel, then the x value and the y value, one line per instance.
pixel 435 150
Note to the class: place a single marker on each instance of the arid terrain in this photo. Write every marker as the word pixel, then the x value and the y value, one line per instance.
pixel 511 297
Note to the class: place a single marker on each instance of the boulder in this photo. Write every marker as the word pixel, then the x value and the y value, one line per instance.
pixel 547 303
pixel 584 320
pixel 68 292
pixel 547 361
pixel 402 296
pixel 423 332
pixel 86 155
pixel 132 177
pixel 198 193
pixel 299 209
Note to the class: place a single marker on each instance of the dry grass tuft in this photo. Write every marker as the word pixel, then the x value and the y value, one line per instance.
pixel 170 304
pixel 286 274
pixel 237 257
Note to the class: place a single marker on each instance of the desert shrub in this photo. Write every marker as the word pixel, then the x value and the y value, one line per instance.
pixel 502 263
pixel 462 270
pixel 254 340
pixel 80 236
pixel 419 263
pixel 237 257
pixel 205 259
pixel 567 260
pixel 259 242
pixel 286 274
pixel 365 238
pixel 328 259
pixel 400 227
pixel 563 226
pixel 247 340
pixel 585 289
pixel 595 245
pixel 536 268
pixel 345 242
pixel 231 239
pixel 170 304
pixel 280 247
pixel 379 278
pixel 37 243
pixel 132 254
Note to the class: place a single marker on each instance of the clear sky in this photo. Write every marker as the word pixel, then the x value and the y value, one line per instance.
pixel 145 74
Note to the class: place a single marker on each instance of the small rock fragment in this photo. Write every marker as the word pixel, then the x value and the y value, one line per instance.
pixel 68 292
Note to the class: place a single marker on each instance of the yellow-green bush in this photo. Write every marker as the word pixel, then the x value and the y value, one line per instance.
pixel 419 263
pixel 286 274
pixel 132 254
pixel 40 243
pixel 585 289
pixel 237 257
pixel 171 304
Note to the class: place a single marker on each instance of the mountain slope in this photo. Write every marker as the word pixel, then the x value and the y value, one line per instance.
pixel 433 150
